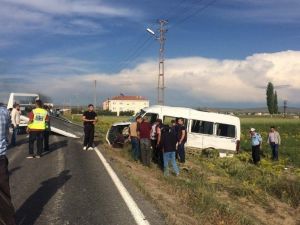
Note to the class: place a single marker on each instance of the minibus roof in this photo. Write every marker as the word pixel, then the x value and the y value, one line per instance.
pixel 188 113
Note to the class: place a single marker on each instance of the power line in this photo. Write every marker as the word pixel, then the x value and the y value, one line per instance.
pixel 136 53
pixel 194 12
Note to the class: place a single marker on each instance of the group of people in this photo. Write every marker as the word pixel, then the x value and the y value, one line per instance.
pixel 38 128
pixel 273 140
pixel 159 143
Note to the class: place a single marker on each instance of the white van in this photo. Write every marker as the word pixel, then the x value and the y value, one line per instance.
pixel 204 129
pixel 26 102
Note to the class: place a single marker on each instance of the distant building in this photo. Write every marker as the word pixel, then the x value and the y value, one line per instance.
pixel 124 103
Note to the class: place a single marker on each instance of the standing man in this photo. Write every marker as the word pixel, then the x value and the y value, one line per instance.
pixel 15 120
pixel 274 140
pixel 89 118
pixel 144 135
pixel 168 144
pixel 135 143
pixel 182 138
pixel 256 142
pixel 7 211
pixel 155 139
pixel 36 128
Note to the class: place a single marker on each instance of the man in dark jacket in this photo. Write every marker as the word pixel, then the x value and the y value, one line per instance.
pixel 182 138
pixel 168 143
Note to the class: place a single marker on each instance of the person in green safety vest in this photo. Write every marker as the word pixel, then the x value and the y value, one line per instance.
pixel 36 127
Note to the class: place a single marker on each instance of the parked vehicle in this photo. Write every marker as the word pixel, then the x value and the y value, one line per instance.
pixel 204 129
pixel 26 102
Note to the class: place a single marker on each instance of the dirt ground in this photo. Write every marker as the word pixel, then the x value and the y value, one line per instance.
pixel 174 203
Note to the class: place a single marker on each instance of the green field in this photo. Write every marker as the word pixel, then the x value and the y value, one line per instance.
pixel 289 130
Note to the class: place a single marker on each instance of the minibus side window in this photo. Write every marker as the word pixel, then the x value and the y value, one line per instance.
pixel 151 117
pixel 167 120
pixel 225 130
pixel 202 127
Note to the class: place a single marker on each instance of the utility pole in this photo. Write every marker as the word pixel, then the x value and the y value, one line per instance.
pixel 161 74
pixel 285 107
pixel 95 94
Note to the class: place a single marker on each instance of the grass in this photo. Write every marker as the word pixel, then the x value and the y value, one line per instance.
pixel 288 128
pixel 212 190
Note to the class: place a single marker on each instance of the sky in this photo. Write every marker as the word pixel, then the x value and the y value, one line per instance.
pixel 219 53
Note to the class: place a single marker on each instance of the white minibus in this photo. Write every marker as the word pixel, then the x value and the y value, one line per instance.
pixel 204 129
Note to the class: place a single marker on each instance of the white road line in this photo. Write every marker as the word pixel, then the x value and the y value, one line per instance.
pixel 132 206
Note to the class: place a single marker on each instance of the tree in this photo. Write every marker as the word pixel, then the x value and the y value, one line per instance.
pixel 275 103
pixel 270 97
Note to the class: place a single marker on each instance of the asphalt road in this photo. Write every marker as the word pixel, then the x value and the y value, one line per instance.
pixel 69 186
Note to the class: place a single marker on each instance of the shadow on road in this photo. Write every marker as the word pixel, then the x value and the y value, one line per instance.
pixel 32 208
pixel 11 171
pixel 56 146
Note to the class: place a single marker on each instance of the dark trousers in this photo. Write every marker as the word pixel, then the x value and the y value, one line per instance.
pixel 14 136
pixel 46 140
pixel 145 151
pixel 89 131
pixel 181 152
pixel 255 154
pixel 274 148
pixel 7 210
pixel 154 150
pixel 37 136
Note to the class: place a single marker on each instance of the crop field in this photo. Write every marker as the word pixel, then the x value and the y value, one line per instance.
pixel 289 130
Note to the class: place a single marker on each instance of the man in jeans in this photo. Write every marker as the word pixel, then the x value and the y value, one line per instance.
pixel 168 144
pixel 274 140
pixel 144 130
pixel 133 133
pixel 6 208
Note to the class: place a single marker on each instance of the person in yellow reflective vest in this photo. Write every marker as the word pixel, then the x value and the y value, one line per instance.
pixel 36 127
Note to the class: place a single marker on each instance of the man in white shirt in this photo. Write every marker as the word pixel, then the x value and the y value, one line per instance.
pixel 274 140
pixel 15 120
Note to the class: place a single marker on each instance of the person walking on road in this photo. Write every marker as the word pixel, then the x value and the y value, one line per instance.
pixel 256 142
pixel 89 118
pixel 135 142
pixel 7 210
pixel 47 130
pixel 274 140
pixel 182 138
pixel 15 120
pixel 145 142
pixel 168 144
pixel 36 128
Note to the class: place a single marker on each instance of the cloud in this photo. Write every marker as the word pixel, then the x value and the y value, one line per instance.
pixel 267 11
pixel 192 81
pixel 67 17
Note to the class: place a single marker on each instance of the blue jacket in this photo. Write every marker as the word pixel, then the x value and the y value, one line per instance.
pixel 256 139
